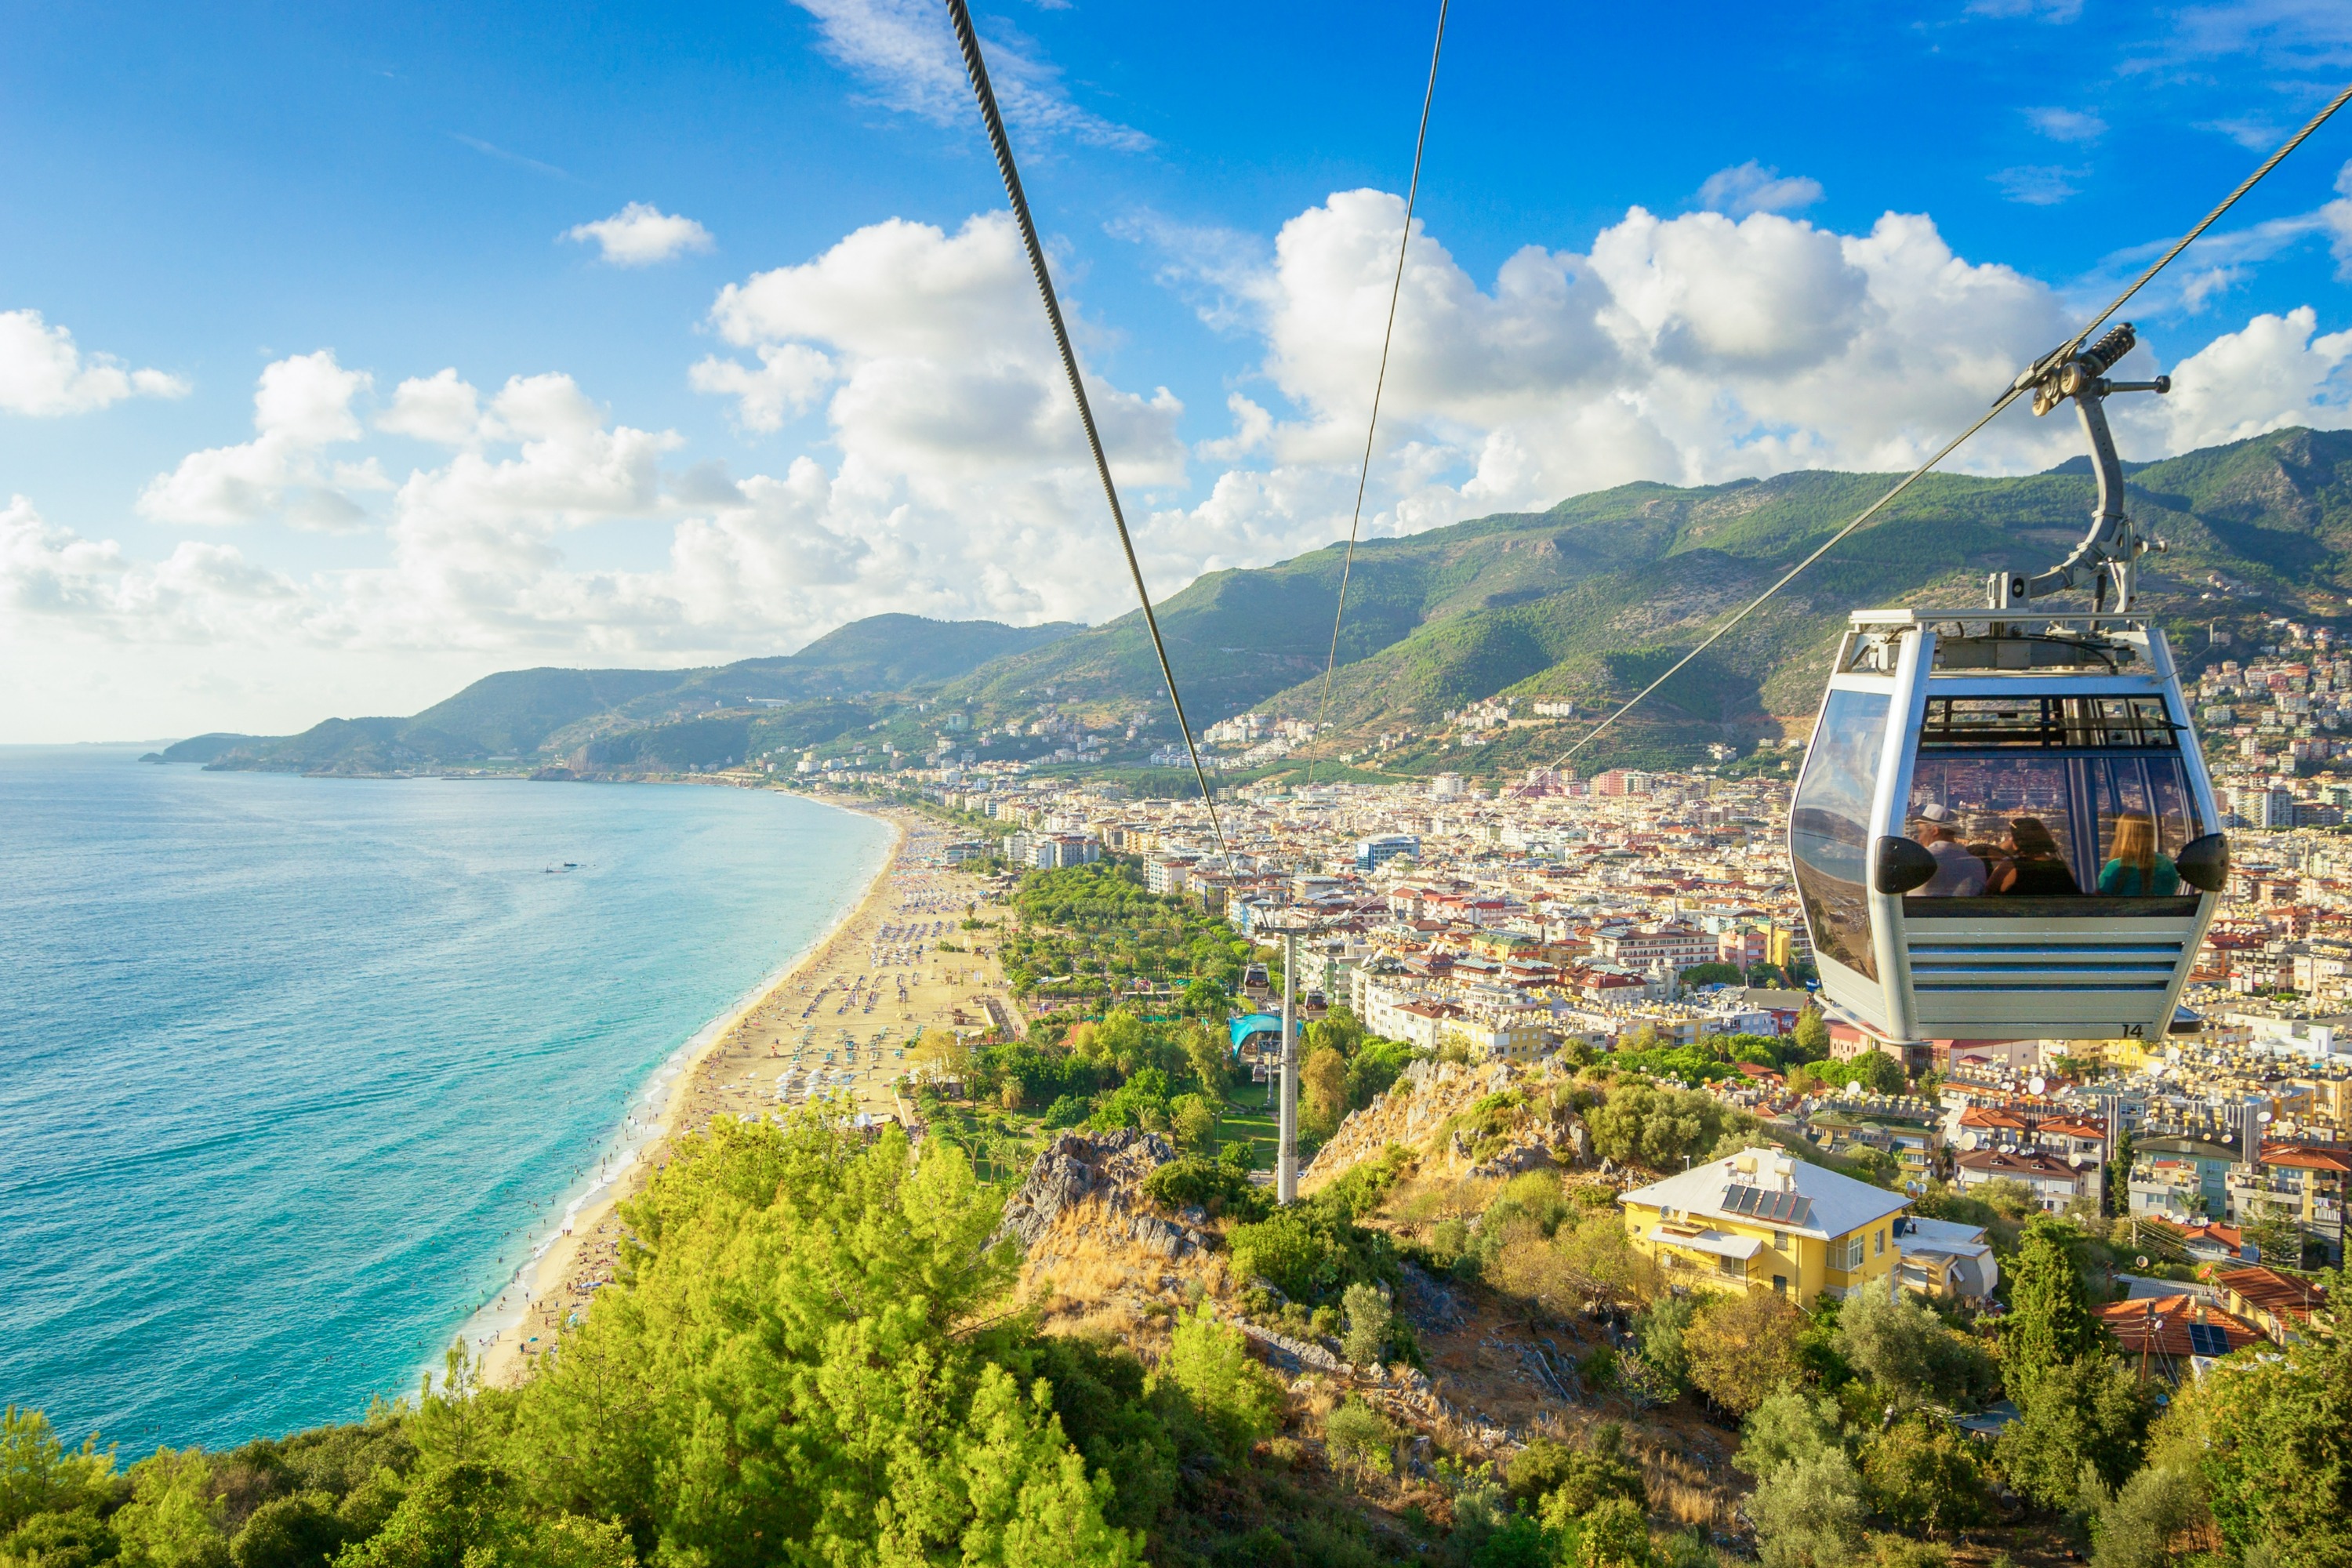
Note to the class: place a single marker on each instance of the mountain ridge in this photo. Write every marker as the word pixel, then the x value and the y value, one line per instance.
pixel 1583 602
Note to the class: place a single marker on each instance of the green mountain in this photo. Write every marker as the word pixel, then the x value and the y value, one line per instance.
pixel 1593 598
pixel 551 714
pixel 1585 602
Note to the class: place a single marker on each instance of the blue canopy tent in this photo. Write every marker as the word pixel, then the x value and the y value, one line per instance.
pixel 1251 1025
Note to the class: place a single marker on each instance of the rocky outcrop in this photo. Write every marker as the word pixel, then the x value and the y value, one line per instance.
pixel 1095 1179
pixel 1420 1112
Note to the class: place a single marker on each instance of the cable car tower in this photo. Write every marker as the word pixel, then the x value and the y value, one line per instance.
pixel 2004 827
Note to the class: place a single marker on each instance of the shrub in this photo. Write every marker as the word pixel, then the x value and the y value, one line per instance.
pixel 1360 1440
pixel 1613 1535
pixel 1310 1254
pixel 1210 1363
pixel 1537 1469
pixel 1583 1481
pixel 1658 1332
pixel 1808 1513
pixel 1212 1185
pixel 1366 1342
pixel 297 1531
pixel 1922 1477
pixel 1742 1348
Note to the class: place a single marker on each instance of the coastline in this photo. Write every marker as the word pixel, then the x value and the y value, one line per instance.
pixel 505 1337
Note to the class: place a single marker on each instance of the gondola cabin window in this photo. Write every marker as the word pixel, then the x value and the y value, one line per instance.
pixel 1829 827
pixel 2051 798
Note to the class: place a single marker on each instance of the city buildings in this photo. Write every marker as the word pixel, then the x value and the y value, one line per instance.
pixel 1555 914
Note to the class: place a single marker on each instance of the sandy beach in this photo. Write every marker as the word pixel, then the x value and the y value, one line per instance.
pixel 835 1024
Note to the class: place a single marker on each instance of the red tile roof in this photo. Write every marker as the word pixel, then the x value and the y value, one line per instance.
pixel 2268 1290
pixel 2160 1325
pixel 2307 1157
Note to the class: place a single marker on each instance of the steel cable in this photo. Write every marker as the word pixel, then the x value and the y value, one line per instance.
pixel 2016 389
pixel 977 68
pixel 1388 334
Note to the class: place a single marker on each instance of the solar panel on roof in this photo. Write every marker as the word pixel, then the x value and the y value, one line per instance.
pixel 2206 1339
pixel 1781 1208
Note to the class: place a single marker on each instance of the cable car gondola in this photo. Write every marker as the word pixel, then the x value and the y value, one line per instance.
pixel 2004 827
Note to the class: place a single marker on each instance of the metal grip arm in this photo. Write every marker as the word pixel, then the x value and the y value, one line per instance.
pixel 2107 559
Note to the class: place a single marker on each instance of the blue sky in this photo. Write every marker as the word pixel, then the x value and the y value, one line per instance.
pixel 324 204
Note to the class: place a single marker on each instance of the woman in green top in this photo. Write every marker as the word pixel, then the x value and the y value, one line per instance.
pixel 2139 869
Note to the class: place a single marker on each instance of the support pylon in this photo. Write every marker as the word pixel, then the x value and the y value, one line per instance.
pixel 1286 1166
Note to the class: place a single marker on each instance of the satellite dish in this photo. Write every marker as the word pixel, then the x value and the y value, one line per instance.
pixel 2139 1263
pixel 2264 1116
pixel 2036 1084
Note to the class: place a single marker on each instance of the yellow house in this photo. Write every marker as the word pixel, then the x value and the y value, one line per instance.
pixel 1764 1220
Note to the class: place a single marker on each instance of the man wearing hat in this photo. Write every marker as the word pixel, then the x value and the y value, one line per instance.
pixel 1958 874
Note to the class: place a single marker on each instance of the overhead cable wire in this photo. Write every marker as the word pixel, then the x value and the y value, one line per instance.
pixel 1388 333
pixel 977 68
pixel 2016 389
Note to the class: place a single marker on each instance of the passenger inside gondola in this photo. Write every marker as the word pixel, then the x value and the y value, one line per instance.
pixel 1958 873
pixel 2138 869
pixel 2032 866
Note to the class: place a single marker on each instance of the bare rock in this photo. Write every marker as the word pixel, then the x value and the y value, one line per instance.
pixel 1079 1166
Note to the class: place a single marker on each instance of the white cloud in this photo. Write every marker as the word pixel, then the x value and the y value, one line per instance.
pixel 302 407
pixel 1753 187
pixel 1692 349
pixel 2038 184
pixel 43 373
pixel 2056 11
pixel 641 234
pixel 2275 372
pixel 2290 35
pixel 441 408
pixel 786 382
pixel 199 592
pixel 907 50
pixel 2066 124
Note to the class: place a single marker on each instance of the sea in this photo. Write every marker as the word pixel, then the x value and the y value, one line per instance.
pixel 296 1073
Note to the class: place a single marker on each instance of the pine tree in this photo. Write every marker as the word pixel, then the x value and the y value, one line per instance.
pixel 2049 1318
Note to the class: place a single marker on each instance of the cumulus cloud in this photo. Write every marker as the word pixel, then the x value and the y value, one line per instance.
pixel 200 592
pixel 1691 347
pixel 906 51
pixel 2275 372
pixel 641 234
pixel 43 373
pixel 786 382
pixel 302 407
pixel 1753 188
pixel 441 408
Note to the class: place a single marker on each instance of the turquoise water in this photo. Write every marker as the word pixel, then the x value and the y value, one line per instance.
pixel 294 1071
